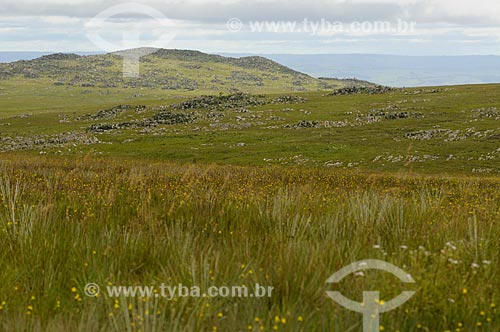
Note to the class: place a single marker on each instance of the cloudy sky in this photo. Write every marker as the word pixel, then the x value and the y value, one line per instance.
pixel 416 27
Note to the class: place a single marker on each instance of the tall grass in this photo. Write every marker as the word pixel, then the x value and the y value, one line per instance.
pixel 67 223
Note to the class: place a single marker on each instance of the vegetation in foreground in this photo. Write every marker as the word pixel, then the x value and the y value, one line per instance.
pixel 66 223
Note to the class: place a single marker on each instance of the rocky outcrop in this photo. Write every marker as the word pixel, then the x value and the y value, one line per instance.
pixel 351 90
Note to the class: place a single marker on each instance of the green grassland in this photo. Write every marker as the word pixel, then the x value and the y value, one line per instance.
pixel 458 127
pixel 125 182
pixel 66 223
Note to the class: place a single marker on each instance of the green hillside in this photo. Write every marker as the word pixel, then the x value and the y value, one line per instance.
pixel 176 70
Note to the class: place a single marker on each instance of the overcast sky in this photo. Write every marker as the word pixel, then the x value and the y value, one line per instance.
pixel 443 27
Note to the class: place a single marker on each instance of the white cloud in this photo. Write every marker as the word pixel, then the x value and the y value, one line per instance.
pixel 200 24
pixel 58 20
pixel 213 10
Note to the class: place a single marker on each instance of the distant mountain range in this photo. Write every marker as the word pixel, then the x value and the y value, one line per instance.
pixel 394 70
pixel 391 70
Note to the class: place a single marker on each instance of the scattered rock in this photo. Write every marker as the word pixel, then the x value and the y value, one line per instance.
pixel 41 142
pixel 106 114
pixel 405 159
pixel 334 164
pixel 162 118
pixel 170 118
pixel 351 90
pixel 482 170
pixel 289 99
pixel 222 102
pixel 449 135
pixel 487 113
pixel 423 135
pixel 304 124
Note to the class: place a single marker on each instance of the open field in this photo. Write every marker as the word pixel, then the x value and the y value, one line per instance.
pixel 131 185
pixel 451 130
pixel 67 223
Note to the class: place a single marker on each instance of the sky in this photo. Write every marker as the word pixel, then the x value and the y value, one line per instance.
pixel 409 27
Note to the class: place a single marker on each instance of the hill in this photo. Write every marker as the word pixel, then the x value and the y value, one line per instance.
pixel 178 70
